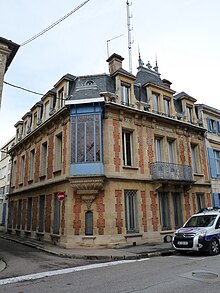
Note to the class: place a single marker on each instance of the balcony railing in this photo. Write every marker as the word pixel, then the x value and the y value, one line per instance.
pixel 170 171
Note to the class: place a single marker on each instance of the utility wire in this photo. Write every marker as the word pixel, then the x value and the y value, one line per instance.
pixel 24 89
pixel 54 24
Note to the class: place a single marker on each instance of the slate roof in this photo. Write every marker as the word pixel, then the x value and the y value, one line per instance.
pixel 90 86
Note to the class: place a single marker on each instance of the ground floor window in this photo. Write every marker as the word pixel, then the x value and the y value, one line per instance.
pixel 200 201
pixel 10 214
pixel 89 223
pixel 29 212
pixel 56 215
pixel 177 208
pixel 171 215
pixel 41 213
pixel 131 212
pixel 19 214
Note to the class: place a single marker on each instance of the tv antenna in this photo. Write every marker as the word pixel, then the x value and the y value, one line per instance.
pixel 130 29
pixel 110 41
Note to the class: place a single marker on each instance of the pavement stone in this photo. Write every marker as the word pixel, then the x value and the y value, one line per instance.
pixel 102 254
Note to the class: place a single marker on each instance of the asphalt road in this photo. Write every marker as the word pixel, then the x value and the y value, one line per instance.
pixel 22 260
pixel 171 274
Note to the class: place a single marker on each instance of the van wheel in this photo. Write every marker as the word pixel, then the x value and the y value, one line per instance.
pixel 214 247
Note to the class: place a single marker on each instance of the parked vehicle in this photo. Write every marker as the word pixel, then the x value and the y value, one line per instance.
pixel 200 233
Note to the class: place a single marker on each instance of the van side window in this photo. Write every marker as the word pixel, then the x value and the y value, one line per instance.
pixel 218 224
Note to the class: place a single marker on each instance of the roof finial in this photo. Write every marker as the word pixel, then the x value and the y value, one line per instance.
pixel 140 62
pixel 149 65
pixel 156 68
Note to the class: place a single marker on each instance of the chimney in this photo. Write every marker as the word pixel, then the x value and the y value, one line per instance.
pixel 166 83
pixel 114 63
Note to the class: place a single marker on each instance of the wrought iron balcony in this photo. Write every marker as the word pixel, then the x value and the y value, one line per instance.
pixel 169 171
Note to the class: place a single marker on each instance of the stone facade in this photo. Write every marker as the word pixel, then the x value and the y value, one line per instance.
pixel 128 155
pixel 8 50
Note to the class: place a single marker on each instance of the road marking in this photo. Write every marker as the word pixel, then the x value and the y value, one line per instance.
pixel 66 271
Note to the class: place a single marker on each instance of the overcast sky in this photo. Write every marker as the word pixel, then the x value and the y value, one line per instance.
pixel 183 34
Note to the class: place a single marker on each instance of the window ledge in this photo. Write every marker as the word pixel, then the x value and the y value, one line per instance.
pixel 89 237
pixel 58 170
pixel 133 235
pixel 40 233
pixel 167 232
pixel 42 176
pixel 20 183
pixel 55 235
pixel 27 232
pixel 130 167
pixel 30 181
pixel 199 174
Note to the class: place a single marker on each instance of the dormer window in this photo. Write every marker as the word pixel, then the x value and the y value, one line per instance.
pixel 60 98
pixel 47 110
pixel 35 120
pixel 125 94
pixel 155 102
pixel 166 105
pixel 189 114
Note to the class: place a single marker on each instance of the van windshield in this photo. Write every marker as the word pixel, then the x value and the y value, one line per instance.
pixel 201 221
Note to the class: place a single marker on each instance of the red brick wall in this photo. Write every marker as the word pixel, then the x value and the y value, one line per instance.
pixel 187 205
pixel 116 138
pixel 204 162
pixel 62 217
pixel 154 210
pixel 140 149
pixel 50 156
pixel 48 211
pixel 100 210
pixel 34 213
pixel 209 200
pixel 182 146
pixel 24 213
pixel 77 211
pixel 150 148
pixel 119 210
pixel 144 210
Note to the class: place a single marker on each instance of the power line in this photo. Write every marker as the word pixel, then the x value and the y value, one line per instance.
pixel 54 24
pixel 23 89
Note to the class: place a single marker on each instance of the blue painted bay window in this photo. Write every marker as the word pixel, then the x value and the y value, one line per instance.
pixel 86 141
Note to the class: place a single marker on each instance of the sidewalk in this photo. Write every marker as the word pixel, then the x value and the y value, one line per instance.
pixel 107 254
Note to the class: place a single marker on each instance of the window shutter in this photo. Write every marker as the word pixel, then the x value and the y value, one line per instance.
pixel 212 165
pixel 215 199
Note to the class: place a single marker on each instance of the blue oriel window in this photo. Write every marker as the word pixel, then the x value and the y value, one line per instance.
pixel 86 139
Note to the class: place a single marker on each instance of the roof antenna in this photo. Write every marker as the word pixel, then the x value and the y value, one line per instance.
pixel 111 40
pixel 129 16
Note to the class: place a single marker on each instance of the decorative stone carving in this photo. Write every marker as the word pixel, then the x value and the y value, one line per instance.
pixel 84 184
pixel 87 188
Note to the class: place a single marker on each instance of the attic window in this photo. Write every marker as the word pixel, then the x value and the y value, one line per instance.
pixel 90 82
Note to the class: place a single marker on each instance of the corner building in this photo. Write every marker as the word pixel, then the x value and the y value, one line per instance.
pixel 108 159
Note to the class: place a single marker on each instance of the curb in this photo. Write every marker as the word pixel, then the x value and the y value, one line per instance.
pixel 163 252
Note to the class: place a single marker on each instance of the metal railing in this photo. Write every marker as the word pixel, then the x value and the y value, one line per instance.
pixel 170 171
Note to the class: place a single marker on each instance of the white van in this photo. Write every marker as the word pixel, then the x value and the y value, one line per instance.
pixel 200 233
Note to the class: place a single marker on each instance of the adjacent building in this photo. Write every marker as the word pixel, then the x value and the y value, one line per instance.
pixel 5 176
pixel 108 159
pixel 8 50
pixel 210 119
